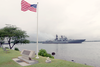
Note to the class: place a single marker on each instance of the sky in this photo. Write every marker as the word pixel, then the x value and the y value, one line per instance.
pixel 75 19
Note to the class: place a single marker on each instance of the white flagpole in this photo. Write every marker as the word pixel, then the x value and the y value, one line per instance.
pixel 37 31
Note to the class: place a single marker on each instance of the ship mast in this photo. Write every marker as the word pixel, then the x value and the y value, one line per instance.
pixel 56 37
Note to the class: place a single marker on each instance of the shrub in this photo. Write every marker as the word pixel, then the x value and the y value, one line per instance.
pixel 52 57
pixel 49 55
pixel 43 53
pixel 16 49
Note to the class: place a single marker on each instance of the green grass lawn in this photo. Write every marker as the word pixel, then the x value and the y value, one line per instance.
pixel 6 61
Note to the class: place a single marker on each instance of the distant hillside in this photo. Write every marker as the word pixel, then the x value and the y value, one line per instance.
pixel 93 41
pixel 36 41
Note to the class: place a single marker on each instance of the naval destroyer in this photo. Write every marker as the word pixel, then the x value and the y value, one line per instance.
pixel 63 40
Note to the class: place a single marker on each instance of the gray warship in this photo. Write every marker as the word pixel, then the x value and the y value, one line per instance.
pixel 63 40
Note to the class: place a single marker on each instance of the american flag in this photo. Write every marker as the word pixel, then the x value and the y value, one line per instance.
pixel 26 6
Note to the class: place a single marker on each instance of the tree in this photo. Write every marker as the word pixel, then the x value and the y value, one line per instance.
pixel 12 33
pixel 1 37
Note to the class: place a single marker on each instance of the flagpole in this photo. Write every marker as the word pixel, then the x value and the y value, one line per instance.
pixel 37 31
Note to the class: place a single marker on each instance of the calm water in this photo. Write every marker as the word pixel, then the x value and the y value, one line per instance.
pixel 84 53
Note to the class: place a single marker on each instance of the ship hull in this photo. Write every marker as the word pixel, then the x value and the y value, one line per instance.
pixel 76 41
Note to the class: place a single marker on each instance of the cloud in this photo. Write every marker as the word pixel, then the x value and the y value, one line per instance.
pixel 75 19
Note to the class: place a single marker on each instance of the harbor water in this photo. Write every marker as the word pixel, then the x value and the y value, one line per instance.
pixel 85 53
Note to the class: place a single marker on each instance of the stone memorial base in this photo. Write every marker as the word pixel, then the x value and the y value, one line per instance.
pixel 28 61
pixel 48 61
pixel 24 62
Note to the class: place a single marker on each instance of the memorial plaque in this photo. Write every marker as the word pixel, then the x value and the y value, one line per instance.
pixel 27 56
pixel 26 52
